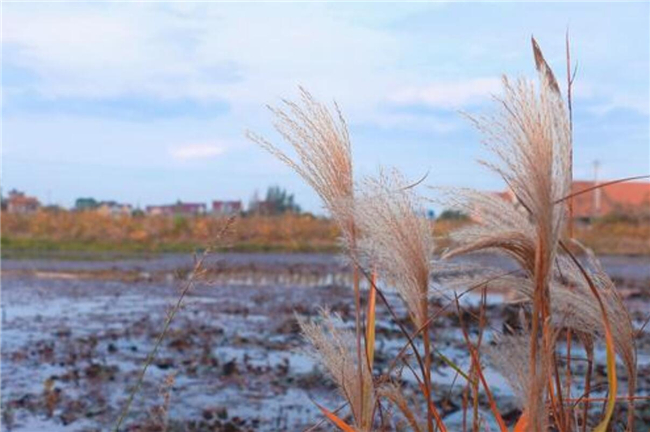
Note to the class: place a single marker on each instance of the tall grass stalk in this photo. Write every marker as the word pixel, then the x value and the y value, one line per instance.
pixel 531 137
pixel 195 274
pixel 390 244
pixel 321 143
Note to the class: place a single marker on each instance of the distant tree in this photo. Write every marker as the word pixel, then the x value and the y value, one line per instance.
pixel 453 215
pixel 277 201
pixel 280 201
pixel 254 203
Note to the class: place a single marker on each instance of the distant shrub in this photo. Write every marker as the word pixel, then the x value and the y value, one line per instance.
pixel 453 215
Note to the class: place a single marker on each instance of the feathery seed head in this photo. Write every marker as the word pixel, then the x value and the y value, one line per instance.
pixel 334 348
pixel 396 239
pixel 323 159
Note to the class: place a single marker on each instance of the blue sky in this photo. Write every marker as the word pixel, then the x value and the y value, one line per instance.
pixel 147 103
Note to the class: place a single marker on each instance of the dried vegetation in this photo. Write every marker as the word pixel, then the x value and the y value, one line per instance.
pixel 391 246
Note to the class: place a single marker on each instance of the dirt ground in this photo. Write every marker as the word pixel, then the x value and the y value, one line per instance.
pixel 75 335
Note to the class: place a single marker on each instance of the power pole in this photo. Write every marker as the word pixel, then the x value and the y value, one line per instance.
pixel 597 192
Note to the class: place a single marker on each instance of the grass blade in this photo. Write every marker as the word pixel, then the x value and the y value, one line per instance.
pixel 522 423
pixel 370 330
pixel 609 344
pixel 611 379
pixel 336 421
pixel 454 366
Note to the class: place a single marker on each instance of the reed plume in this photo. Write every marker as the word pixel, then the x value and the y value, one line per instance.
pixel 335 349
pixel 321 142
pixel 393 392
pixel 323 159
pixel 531 137
pixel 500 227
pixel 509 355
pixel 398 242
pixel 508 228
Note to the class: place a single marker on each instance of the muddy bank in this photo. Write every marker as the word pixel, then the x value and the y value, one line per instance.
pixel 75 335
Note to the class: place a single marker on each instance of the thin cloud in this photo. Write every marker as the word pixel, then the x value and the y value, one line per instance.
pixel 196 151
pixel 447 94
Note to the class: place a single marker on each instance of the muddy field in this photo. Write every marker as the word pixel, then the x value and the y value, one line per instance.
pixel 76 333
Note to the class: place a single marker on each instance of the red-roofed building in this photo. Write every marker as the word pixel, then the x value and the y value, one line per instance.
pixel 18 202
pixel 507 195
pixel 628 198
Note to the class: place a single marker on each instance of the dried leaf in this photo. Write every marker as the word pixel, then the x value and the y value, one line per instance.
pixel 543 68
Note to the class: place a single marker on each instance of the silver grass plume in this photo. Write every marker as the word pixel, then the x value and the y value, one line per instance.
pixel 396 239
pixel 531 136
pixel 393 393
pixel 335 349
pixel 509 356
pixel 321 142
pixel 397 243
pixel 500 226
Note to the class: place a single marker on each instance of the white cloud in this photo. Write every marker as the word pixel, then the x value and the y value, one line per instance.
pixel 637 103
pixel 447 94
pixel 113 50
pixel 601 99
pixel 196 151
pixel 253 54
pixel 422 123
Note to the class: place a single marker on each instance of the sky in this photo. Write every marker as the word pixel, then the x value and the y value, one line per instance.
pixel 148 103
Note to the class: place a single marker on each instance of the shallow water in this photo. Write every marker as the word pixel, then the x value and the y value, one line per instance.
pixel 234 348
pixel 631 268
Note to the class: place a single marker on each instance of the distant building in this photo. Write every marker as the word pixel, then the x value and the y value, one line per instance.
pixel 226 208
pixel 626 199
pixel 108 208
pixel 112 208
pixel 507 195
pixel 178 209
pixel 155 210
pixel 631 199
pixel 18 202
